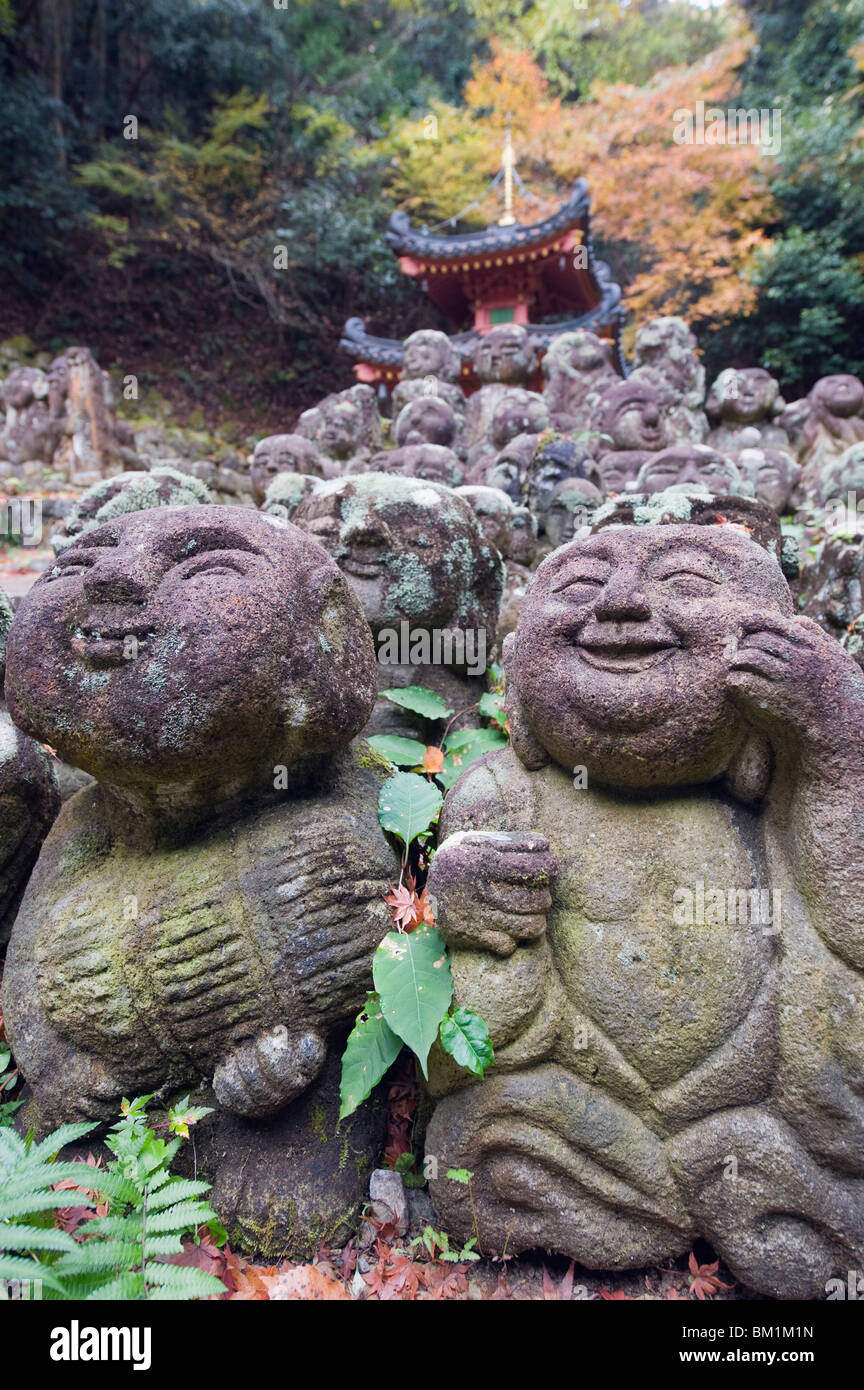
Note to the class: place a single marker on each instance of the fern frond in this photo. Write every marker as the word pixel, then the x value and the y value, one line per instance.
pixel 29 1204
pixel 17 1267
pixel 58 1139
pixel 183 1217
pixel 125 1286
pixel 181 1281
pixel 176 1190
pixel 100 1256
pixel 17 1238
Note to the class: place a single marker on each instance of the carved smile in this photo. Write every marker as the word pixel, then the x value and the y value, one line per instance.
pixel 111 645
pixel 634 656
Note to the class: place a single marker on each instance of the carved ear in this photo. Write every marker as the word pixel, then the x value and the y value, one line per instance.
pixel 527 747
pixel 748 775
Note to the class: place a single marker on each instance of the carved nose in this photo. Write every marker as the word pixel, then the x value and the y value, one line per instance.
pixel 112 580
pixel 368 532
pixel 622 600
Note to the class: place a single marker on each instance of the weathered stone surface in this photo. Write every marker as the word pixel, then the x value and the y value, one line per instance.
pixel 716 740
pixel 433 462
pixel 427 420
pixel 773 475
pixel 692 467
pixel 345 427
pixel 288 1185
pixel 555 460
pixel 572 505
pixel 829 420
pixel 431 366
pixel 494 512
pixel 286 491
pixel 128 492
pixel 285 453
pixel 30 433
pixel 666 359
pixel 92 440
pixel 504 358
pixel 830 585
pixel 210 908
pixel 516 413
pixel 745 408
pixel 628 424
pixel 578 369
pixel 414 554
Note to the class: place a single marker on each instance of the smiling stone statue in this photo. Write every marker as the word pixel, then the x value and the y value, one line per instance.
pixel 662 1070
pixel 209 909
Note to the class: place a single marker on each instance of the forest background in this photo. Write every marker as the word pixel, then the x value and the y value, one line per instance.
pixel 302 124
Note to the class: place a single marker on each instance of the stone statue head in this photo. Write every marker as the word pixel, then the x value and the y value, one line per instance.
pixel 744 396
pixel 517 412
pixel 621 656
pixel 841 395
pixel 285 493
pixel 773 475
pixel 573 354
pixel 555 460
pixel 569 508
pixel 511 467
pixel 410 549
pixel 343 424
pixel 426 420
pixel 493 510
pixel 505 354
pixel 631 416
pixel 522 542
pixel 843 475
pixel 282 453
pixel 183 653
pixel 430 353
pixel 431 461
pixel 23 386
pixel 129 492
pixel 691 467
pixel 663 339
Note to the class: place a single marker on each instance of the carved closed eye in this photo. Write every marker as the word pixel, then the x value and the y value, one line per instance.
pixel 215 565
pixel 65 569
pixel 687 580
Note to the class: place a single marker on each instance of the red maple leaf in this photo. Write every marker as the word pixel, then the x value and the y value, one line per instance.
pixel 704 1283
pixel 410 908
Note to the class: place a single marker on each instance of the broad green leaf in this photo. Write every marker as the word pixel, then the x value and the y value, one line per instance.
pixel 371 1049
pixel 404 752
pixel 407 805
pixel 419 701
pixel 464 748
pixel 492 707
pixel 412 975
pixel 465 1036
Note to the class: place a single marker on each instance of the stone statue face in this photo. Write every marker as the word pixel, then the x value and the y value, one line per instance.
pixel 743 397
pixel 429 420
pixel 772 474
pixel 841 395
pixel 429 353
pixel 580 351
pixel 689 467
pixel 622 651
pixel 661 338
pixel 410 549
pixel 430 461
pixel 553 463
pixel 130 492
pixel 639 425
pixel 282 453
pixel 510 468
pixel 522 541
pixel 518 412
pixel 493 510
pixel 196 646
pixel 341 429
pixel 505 354
pixel 570 507
pixel 843 475
pixel 24 385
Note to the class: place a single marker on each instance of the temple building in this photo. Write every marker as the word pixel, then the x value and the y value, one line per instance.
pixel 543 275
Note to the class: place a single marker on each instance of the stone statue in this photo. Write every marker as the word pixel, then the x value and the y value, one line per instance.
pixel 773 474
pixel 209 666
pixel 628 424
pixel 666 359
pixel 427 420
pixel 128 492
pixel 345 427
pixel 745 407
pixel 431 461
pixel 494 511
pixel 29 798
pixel 830 584
pixel 829 420
pixel 510 470
pixel 578 369
pixel 285 493
pixel 92 441
pixel 569 507
pixel 417 559
pixel 654 899
pixel 840 476
pixel 504 358
pixel 285 453
pixel 692 468
pixel 30 434
pixel 555 460
pixel 431 366
pixel 515 413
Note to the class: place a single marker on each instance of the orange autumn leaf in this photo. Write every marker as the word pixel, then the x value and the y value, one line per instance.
pixel 304 1282
pixel 433 759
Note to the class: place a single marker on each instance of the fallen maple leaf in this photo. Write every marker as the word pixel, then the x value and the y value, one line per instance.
pixel 306 1282
pixel 619 1296
pixel 410 908
pixel 445 1281
pixel 433 759
pixel 704 1283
